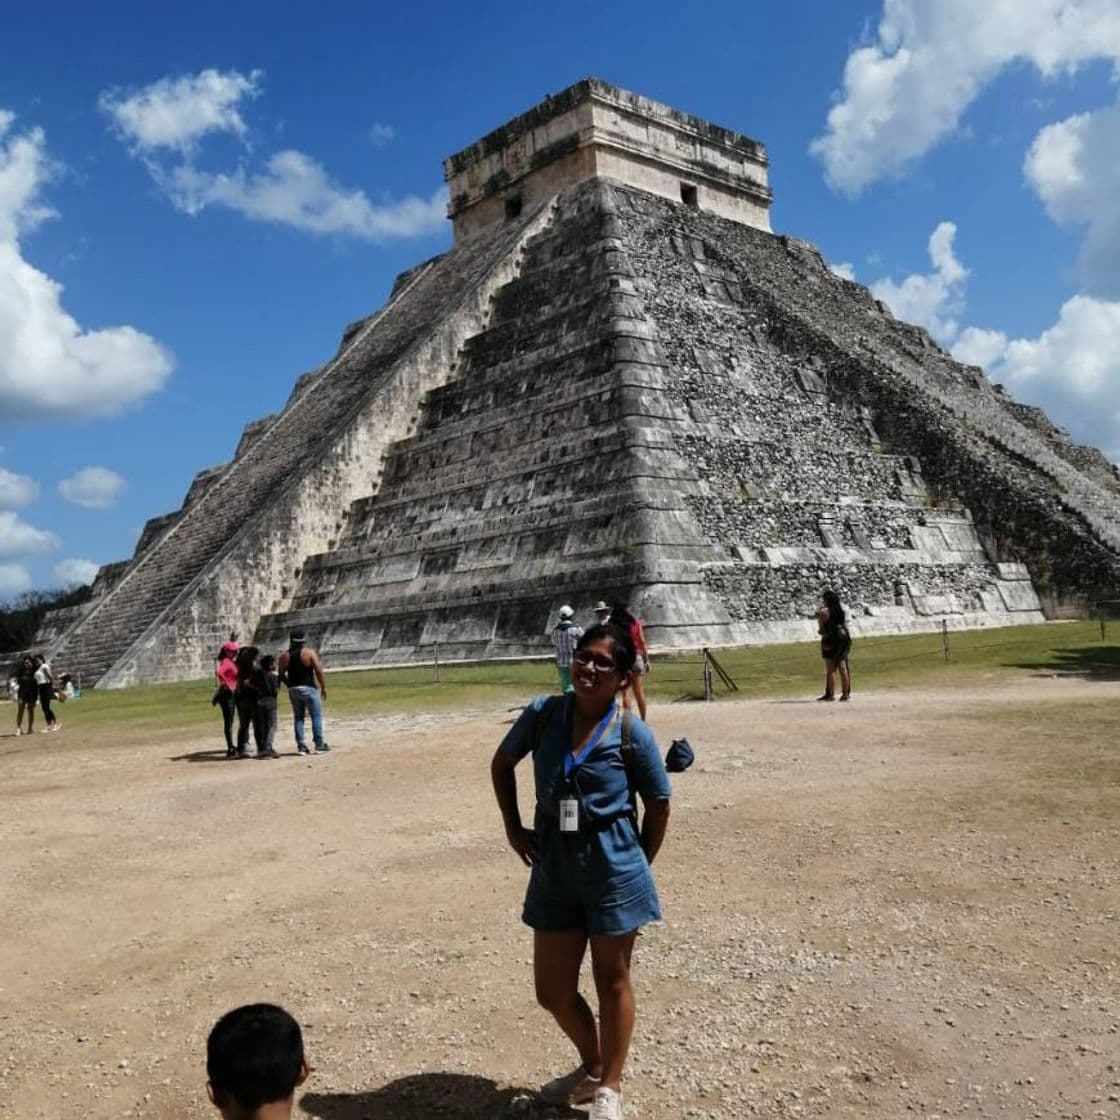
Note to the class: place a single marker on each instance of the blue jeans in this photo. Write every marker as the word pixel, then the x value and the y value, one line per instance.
pixel 304 697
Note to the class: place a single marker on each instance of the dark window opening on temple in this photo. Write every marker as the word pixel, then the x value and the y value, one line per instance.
pixel 688 195
pixel 513 206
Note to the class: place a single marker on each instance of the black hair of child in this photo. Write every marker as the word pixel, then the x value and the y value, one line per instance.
pixel 255 1054
pixel 268 663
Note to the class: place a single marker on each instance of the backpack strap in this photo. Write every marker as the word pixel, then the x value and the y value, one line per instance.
pixel 544 717
pixel 628 756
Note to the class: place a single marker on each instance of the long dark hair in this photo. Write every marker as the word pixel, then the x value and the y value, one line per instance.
pixel 621 616
pixel 245 659
pixel 836 615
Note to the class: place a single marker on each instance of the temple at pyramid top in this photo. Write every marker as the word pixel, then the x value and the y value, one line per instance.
pixel 596 130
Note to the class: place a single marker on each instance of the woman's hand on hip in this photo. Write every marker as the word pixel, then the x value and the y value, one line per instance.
pixel 524 842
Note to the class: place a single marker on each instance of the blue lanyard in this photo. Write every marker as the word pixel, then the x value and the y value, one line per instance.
pixel 571 763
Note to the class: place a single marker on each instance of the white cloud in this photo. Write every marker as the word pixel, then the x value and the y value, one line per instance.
pixel 14 580
pixel 1079 355
pixel 1074 167
pixel 16 489
pixel 18 538
pixel 979 347
pixel 1071 370
pixel 177 112
pixel 165 122
pixel 845 270
pixel 93 488
pixel 930 299
pixel 74 572
pixel 907 89
pixel 49 366
pixel 381 134
pixel 294 190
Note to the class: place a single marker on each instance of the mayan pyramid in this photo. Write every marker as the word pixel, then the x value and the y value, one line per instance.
pixel 617 383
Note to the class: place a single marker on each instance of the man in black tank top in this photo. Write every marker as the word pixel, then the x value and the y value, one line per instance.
pixel 302 672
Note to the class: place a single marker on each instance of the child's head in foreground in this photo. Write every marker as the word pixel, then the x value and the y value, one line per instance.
pixel 254 1061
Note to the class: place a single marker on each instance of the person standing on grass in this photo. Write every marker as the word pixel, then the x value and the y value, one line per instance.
pixel 225 697
pixel 301 672
pixel 44 680
pixel 836 643
pixel 565 635
pixel 590 880
pixel 624 620
pixel 27 696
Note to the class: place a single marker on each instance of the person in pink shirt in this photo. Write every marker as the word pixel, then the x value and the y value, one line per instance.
pixel 226 675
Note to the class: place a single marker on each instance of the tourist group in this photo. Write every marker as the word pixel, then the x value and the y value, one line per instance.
pixel 248 686
pixel 31 684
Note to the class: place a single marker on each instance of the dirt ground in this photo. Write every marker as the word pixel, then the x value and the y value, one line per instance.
pixel 907 905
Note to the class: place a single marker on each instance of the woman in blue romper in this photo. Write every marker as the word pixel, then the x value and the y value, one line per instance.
pixel 590 881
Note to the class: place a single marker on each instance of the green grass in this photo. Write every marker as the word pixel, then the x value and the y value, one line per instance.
pixel 877 662
pixel 898 661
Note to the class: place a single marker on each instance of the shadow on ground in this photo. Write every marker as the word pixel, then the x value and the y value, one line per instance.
pixel 218 755
pixel 1095 663
pixel 448 1096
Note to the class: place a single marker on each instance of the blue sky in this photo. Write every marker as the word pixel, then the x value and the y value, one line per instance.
pixel 192 208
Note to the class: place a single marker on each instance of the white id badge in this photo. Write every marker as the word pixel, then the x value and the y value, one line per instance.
pixel 569 814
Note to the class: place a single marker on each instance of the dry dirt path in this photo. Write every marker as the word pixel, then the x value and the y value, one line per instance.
pixel 903 906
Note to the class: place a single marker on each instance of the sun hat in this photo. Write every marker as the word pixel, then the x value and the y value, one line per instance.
pixel 600 606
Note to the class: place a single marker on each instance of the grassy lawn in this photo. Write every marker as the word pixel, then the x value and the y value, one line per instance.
pixel 877 662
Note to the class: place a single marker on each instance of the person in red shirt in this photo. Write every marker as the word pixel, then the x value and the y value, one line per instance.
pixel 226 676
pixel 624 620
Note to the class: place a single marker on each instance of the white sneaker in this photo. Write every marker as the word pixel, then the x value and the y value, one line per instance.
pixel 607 1105
pixel 19 730
pixel 577 1087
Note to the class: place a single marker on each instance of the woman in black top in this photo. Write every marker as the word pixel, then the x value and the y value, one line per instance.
pixel 27 696
pixel 836 642
pixel 246 697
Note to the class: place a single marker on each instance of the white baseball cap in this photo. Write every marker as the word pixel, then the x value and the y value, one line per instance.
pixel 566 611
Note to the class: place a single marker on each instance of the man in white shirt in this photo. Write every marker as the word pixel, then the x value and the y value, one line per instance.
pixel 565 635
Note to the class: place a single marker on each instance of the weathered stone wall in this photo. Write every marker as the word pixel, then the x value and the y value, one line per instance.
pixel 1027 501
pixel 235 553
pixel 593 129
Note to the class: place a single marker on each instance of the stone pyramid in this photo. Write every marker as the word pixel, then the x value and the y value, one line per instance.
pixel 616 384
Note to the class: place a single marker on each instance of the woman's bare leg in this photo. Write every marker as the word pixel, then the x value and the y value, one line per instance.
pixel 610 964
pixel 830 678
pixel 30 708
pixel 556 961
pixel 638 687
pixel 845 678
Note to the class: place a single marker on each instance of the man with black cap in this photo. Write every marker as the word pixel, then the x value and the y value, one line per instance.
pixel 302 671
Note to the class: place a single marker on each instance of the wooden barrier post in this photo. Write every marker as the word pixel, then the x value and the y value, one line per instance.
pixel 945 639
pixel 437 662
pixel 707 675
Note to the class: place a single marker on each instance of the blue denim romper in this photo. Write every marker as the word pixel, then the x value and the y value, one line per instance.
pixel 598 879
